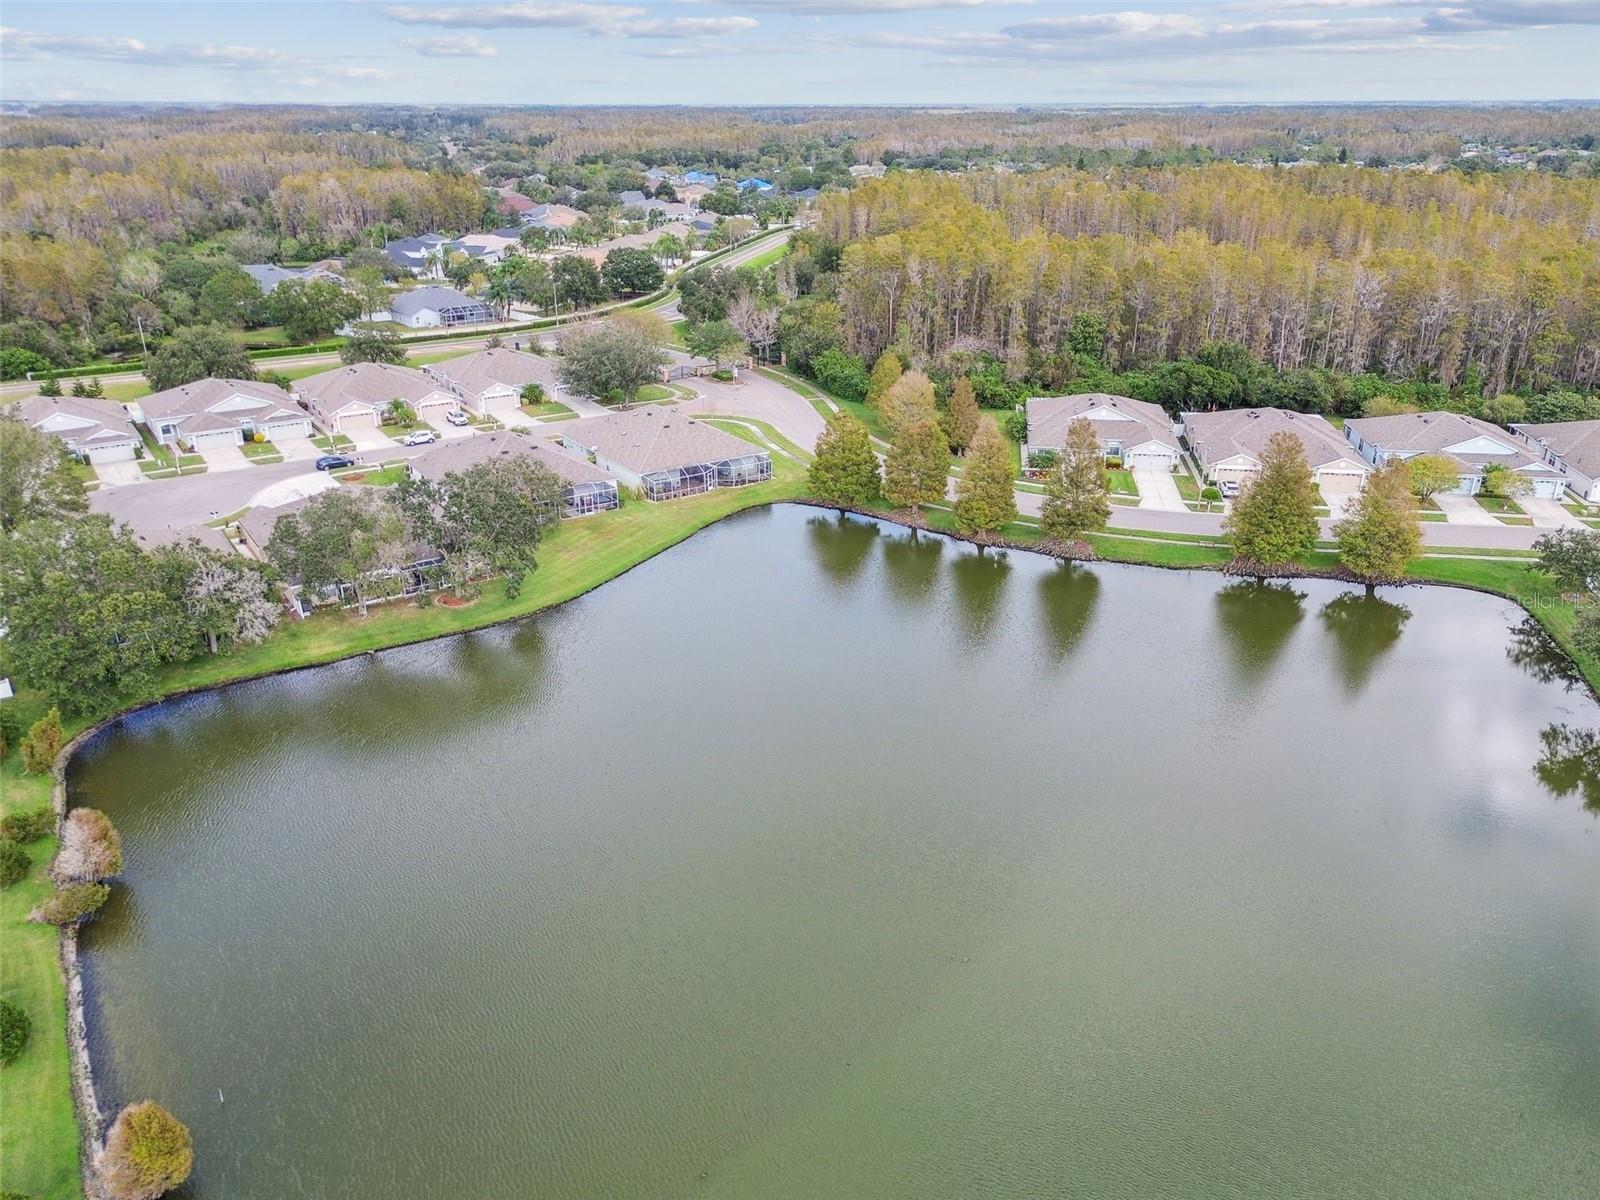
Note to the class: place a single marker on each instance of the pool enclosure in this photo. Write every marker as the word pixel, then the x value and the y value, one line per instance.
pixel 695 478
pixel 581 499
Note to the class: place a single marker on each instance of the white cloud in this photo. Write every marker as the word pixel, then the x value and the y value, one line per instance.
pixel 515 16
pixel 451 45
pixel 26 45
pixel 601 20
pixel 844 8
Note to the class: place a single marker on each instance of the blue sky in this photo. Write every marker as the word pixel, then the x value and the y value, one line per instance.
pixel 801 51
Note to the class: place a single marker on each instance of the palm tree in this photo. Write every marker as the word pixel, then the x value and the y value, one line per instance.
pixel 500 292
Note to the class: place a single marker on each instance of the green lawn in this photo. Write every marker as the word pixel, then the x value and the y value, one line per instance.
pixel 262 453
pixel 651 393
pixel 1498 505
pixel 1120 483
pixel 337 441
pixel 38 1129
pixel 382 477
pixel 547 409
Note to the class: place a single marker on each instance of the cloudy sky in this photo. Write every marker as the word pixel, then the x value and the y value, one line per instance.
pixel 801 51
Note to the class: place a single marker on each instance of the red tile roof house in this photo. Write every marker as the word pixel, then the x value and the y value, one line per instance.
pixel 490 382
pixel 222 412
pixel 514 204
pixel 355 398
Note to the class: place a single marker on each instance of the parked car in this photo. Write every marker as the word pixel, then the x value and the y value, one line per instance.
pixel 1230 488
pixel 419 437
pixel 329 461
pixel 456 417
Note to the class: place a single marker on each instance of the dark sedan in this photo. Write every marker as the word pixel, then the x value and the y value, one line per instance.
pixel 329 461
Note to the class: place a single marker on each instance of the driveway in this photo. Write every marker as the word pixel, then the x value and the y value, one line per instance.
pixel 223 458
pixel 1548 514
pixel 1339 494
pixel 370 439
pixel 1158 490
pixel 754 395
pixel 1463 510
pixel 118 474
pixel 446 430
pixel 297 449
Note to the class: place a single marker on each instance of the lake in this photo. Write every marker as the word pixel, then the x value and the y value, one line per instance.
pixel 814 859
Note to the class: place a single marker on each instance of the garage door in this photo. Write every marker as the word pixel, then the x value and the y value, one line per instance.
pixel 105 454
pixel 215 438
pixel 1150 461
pixel 356 421
pixel 1550 489
pixel 288 429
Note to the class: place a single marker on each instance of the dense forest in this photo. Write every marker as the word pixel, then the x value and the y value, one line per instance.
pixel 1458 260
pixel 1414 275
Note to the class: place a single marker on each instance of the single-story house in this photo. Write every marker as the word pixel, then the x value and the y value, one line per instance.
pixel 513 203
pixel 433 306
pixel 754 183
pixel 1228 445
pixel 95 430
pixel 1470 443
pixel 269 275
pixel 665 454
pixel 411 577
pixel 491 248
pixel 704 223
pixel 1138 433
pixel 353 399
pixel 631 241
pixel 806 195
pixel 693 193
pixel 554 218
pixel 222 412
pixel 490 382
pixel 422 255
pixel 706 179
pixel 589 488
pixel 1572 448
pixel 153 538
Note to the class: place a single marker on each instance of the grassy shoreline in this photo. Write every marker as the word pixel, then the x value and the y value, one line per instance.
pixel 39 1128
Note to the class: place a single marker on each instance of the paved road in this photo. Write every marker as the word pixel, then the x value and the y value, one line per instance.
pixel 759 397
pixel 667 307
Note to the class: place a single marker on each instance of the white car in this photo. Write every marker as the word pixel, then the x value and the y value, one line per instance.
pixel 419 437
pixel 456 417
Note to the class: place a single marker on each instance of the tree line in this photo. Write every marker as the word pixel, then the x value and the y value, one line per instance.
pixel 1437 278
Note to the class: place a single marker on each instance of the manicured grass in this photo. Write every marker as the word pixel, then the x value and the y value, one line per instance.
pixel 651 393
pixel 546 409
pixel 38 1129
pixel 1120 483
pixel 1498 504
pixel 382 477
pixel 438 356
pixel 132 389
pixel 337 441
pixel 398 430
pixel 743 427
pixel 261 450
pixel 766 258
pixel 675 333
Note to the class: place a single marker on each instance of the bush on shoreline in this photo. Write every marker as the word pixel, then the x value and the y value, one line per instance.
pixel 71 904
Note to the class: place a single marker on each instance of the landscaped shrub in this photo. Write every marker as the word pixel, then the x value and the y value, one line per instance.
pixel 722 375
pixel 14 1026
pixel 1016 425
pixel 43 743
pixel 90 847
pixel 71 904
pixel 14 863
pixel 148 1153
pixel 28 825
pixel 1043 460
pixel 1210 495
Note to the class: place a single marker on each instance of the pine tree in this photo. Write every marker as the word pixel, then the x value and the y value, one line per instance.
pixel 1075 501
pixel 914 474
pixel 885 374
pixel 961 415
pixel 1381 532
pixel 985 499
pixel 909 401
pixel 845 470
pixel 1275 522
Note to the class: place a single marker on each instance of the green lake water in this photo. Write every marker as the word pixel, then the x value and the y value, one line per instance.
pixel 816 861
